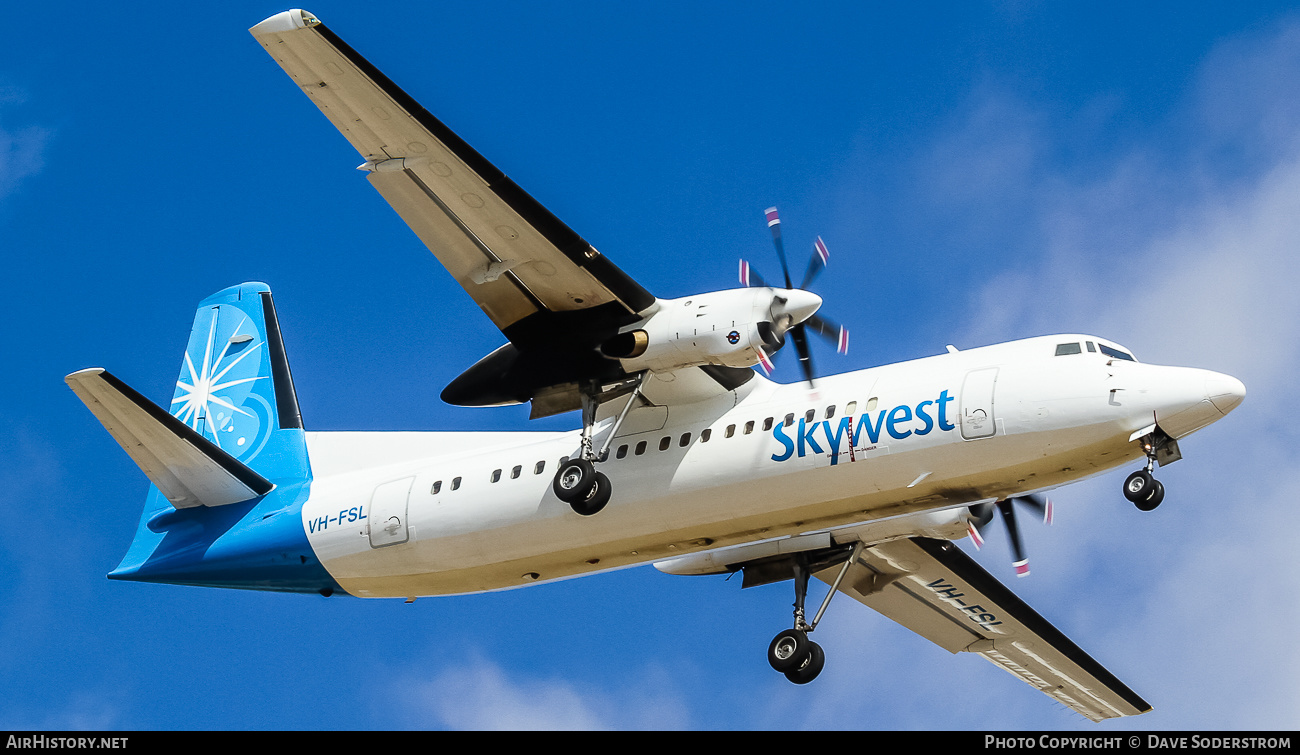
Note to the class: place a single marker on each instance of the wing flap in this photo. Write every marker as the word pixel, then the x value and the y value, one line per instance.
pixel 188 469
pixel 937 591
pixel 509 253
pixel 496 290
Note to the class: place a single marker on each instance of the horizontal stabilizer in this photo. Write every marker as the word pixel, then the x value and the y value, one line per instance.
pixel 188 469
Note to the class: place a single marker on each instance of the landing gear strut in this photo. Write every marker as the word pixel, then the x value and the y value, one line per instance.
pixel 577 482
pixel 1141 487
pixel 791 652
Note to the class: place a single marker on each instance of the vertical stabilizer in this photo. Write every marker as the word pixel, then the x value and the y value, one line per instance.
pixel 235 388
pixel 227 455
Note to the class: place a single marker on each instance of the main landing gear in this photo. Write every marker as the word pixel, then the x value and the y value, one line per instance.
pixel 577 482
pixel 791 652
pixel 1141 488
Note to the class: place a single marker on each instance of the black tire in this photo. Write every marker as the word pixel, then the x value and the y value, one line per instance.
pixel 1153 498
pixel 596 497
pixel 1138 486
pixel 788 650
pixel 573 479
pixel 811 667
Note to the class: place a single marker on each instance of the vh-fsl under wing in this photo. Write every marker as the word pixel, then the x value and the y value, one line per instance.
pixel 687 457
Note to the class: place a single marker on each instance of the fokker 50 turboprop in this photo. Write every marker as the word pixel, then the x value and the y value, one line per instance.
pixel 687 457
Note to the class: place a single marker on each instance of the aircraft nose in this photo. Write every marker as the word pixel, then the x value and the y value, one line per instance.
pixel 799 304
pixel 1224 391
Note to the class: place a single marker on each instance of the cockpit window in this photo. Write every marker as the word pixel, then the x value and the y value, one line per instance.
pixel 1068 348
pixel 1115 353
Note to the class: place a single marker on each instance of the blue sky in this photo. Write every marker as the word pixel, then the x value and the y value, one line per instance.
pixel 980 171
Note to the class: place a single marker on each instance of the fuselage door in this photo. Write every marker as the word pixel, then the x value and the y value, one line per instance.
pixel 387 519
pixel 977 419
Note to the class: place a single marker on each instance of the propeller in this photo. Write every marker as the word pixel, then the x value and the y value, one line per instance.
pixel 982 514
pixel 784 319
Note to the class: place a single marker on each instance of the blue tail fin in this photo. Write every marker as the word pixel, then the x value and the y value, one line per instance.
pixel 235 392
pixel 235 388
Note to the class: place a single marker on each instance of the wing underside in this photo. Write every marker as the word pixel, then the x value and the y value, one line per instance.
pixel 937 591
pixel 513 257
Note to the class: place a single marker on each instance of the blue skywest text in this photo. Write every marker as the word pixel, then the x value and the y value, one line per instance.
pixel 899 422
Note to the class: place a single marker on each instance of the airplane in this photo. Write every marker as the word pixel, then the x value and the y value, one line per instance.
pixel 687 458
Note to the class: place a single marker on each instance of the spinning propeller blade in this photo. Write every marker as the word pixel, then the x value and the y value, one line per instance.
pixel 774 222
pixel 982 514
pixel 817 263
pixel 837 334
pixel 833 332
pixel 750 277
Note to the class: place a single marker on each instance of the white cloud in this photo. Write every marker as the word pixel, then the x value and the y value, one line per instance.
pixel 1182 243
pixel 83 711
pixel 480 695
pixel 1189 254
pixel 22 148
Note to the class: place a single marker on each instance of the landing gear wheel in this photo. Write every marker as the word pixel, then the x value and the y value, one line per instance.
pixel 789 650
pixel 1139 486
pixel 573 480
pixel 810 668
pixel 1153 498
pixel 596 497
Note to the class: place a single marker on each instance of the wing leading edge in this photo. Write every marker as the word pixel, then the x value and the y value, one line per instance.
pixel 934 589
pixel 522 265
pixel 550 292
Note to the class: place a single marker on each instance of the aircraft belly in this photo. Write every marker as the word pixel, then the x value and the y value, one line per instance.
pixel 498 525
pixel 514 532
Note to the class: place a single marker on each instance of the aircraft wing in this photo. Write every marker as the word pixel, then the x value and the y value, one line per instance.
pixel 528 271
pixel 934 589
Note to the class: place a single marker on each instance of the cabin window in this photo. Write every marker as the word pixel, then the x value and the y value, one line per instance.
pixel 514 473
pixel 789 419
pixel 1116 353
pixel 830 411
pixel 622 451
pixel 809 415
pixel 455 484
pixel 665 442
pixel 749 427
pixel 731 430
pixel 496 475
pixel 767 424
pixel 685 440
pixel 436 487
pixel 851 409
pixel 871 403
pixel 640 448
pixel 541 465
pixel 1063 349
pixel 705 434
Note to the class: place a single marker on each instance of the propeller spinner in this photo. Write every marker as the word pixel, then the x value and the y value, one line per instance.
pixel 793 310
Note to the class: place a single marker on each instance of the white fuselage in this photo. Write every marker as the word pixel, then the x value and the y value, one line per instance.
pixel 411 514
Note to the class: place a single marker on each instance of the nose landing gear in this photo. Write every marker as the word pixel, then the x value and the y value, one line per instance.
pixel 1141 488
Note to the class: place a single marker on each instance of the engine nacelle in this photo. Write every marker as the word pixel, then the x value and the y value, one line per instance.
pixel 726 328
